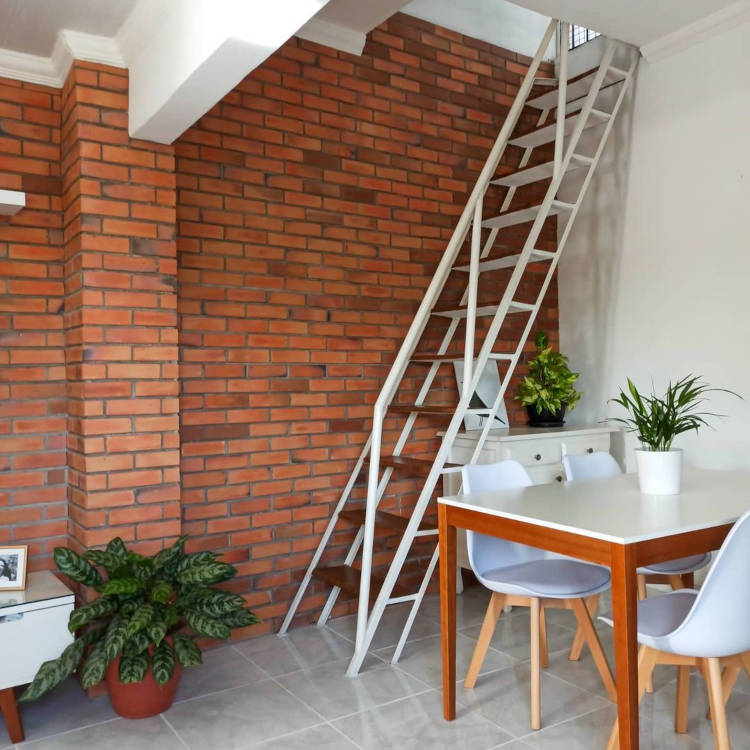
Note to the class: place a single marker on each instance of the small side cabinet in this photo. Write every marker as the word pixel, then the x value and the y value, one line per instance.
pixel 33 629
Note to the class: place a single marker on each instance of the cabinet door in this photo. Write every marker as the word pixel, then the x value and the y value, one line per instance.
pixel 29 638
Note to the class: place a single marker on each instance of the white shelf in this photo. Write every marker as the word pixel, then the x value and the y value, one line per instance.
pixel 11 202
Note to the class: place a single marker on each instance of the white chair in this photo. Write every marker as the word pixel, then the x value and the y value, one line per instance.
pixel 529 577
pixel 707 629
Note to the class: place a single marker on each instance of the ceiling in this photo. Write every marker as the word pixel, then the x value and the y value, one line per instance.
pixel 638 22
pixel 31 26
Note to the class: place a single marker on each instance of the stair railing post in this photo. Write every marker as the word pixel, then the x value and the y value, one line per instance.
pixel 562 99
pixel 471 311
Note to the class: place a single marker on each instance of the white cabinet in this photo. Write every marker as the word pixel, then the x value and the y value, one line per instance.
pixel 33 627
pixel 539 449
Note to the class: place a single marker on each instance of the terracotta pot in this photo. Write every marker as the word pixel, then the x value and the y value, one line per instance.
pixel 139 700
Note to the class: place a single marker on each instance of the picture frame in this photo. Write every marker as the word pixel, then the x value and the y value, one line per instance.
pixel 13 565
pixel 484 396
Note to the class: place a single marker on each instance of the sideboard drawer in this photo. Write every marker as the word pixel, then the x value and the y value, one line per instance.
pixel 27 639
pixel 546 474
pixel 533 452
pixel 579 444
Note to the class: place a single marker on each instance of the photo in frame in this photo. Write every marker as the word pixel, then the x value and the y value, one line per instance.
pixel 13 567
pixel 484 395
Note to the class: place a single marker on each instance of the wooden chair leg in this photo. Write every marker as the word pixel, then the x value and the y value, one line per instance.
pixel 676 582
pixel 544 655
pixel 646 661
pixel 536 701
pixel 592 638
pixel 494 608
pixel 681 699
pixel 716 701
pixel 9 709
pixel 688 580
pixel 577 646
pixel 641 587
pixel 729 676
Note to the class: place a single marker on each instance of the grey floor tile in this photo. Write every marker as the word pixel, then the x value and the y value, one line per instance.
pixel 62 710
pixel 389 628
pixel 422 659
pixel 504 697
pixel 331 693
pixel 322 737
pixel 303 647
pixel 122 734
pixel 470 607
pixel 512 635
pixel 222 668
pixel 416 723
pixel 235 718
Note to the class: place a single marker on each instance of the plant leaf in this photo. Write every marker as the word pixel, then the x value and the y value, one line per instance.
pixel 240 618
pixel 216 602
pixel 162 663
pixel 75 567
pixel 137 644
pixel 95 667
pixel 187 651
pixel 161 592
pixel 210 573
pixel 156 631
pixel 133 668
pixel 208 626
pixel 206 557
pixel 139 620
pixel 89 612
pixel 122 586
pixel 115 637
pixel 53 672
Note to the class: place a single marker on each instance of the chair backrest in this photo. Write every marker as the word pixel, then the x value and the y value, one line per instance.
pixel 718 623
pixel 489 552
pixel 597 465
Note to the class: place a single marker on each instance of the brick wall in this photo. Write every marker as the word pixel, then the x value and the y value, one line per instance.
pixel 33 505
pixel 296 226
pixel 314 203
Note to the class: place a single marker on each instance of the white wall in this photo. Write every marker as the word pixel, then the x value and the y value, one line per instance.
pixel 495 21
pixel 655 280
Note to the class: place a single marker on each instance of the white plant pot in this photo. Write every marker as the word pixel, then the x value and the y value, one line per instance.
pixel 659 472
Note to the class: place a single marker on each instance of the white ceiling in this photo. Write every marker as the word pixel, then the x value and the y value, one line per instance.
pixel 31 26
pixel 638 22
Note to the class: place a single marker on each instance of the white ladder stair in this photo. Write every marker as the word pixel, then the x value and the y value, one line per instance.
pixel 481 234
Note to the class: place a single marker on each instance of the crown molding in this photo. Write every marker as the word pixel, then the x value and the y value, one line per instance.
pixel 715 23
pixel 333 35
pixel 53 70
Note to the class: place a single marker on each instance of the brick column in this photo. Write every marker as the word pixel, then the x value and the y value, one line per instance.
pixel 120 319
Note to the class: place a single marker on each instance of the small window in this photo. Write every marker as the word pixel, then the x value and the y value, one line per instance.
pixel 579 35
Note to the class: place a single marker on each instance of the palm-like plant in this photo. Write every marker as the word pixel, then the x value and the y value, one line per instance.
pixel 143 601
pixel 658 420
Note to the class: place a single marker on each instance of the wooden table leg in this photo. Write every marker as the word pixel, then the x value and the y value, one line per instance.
pixel 448 610
pixel 625 615
pixel 9 710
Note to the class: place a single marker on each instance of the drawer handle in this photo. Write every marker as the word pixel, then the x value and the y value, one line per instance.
pixel 589 450
pixel 538 457
pixel 11 618
pixel 558 478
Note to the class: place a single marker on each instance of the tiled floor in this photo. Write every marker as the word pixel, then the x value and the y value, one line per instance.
pixel 291 693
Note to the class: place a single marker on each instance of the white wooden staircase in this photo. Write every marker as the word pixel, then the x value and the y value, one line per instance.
pixel 579 102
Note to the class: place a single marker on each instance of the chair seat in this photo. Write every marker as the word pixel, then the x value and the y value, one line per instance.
pixel 659 616
pixel 679 566
pixel 554 578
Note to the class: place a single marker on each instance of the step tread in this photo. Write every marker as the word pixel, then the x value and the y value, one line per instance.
pixel 347 579
pixel 424 358
pixel 383 520
pixel 523 215
pixel 577 87
pixel 529 175
pixel 546 133
pixel 413 463
pixel 508 261
pixel 483 310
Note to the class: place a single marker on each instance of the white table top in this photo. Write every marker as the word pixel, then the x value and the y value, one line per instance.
pixel 615 510
pixel 41 586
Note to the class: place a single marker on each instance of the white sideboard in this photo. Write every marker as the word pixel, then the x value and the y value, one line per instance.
pixel 539 449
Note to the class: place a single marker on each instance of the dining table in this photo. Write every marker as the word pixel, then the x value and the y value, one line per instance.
pixel 605 521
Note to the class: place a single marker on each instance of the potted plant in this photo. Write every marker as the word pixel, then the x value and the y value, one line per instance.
pixel 547 391
pixel 142 628
pixel 657 421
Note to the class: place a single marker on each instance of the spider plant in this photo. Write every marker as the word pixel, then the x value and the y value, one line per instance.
pixel 658 420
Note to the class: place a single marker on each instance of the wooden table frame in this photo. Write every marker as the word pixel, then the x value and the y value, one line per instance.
pixel 622 559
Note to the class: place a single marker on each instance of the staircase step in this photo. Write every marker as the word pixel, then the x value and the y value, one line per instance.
pixel 346 578
pixel 508 261
pixel 527 175
pixel 384 521
pixel 427 358
pixel 577 88
pixel 546 133
pixel 413 466
pixel 484 310
pixel 521 216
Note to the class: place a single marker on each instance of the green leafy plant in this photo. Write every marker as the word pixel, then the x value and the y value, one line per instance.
pixel 549 383
pixel 658 420
pixel 142 613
